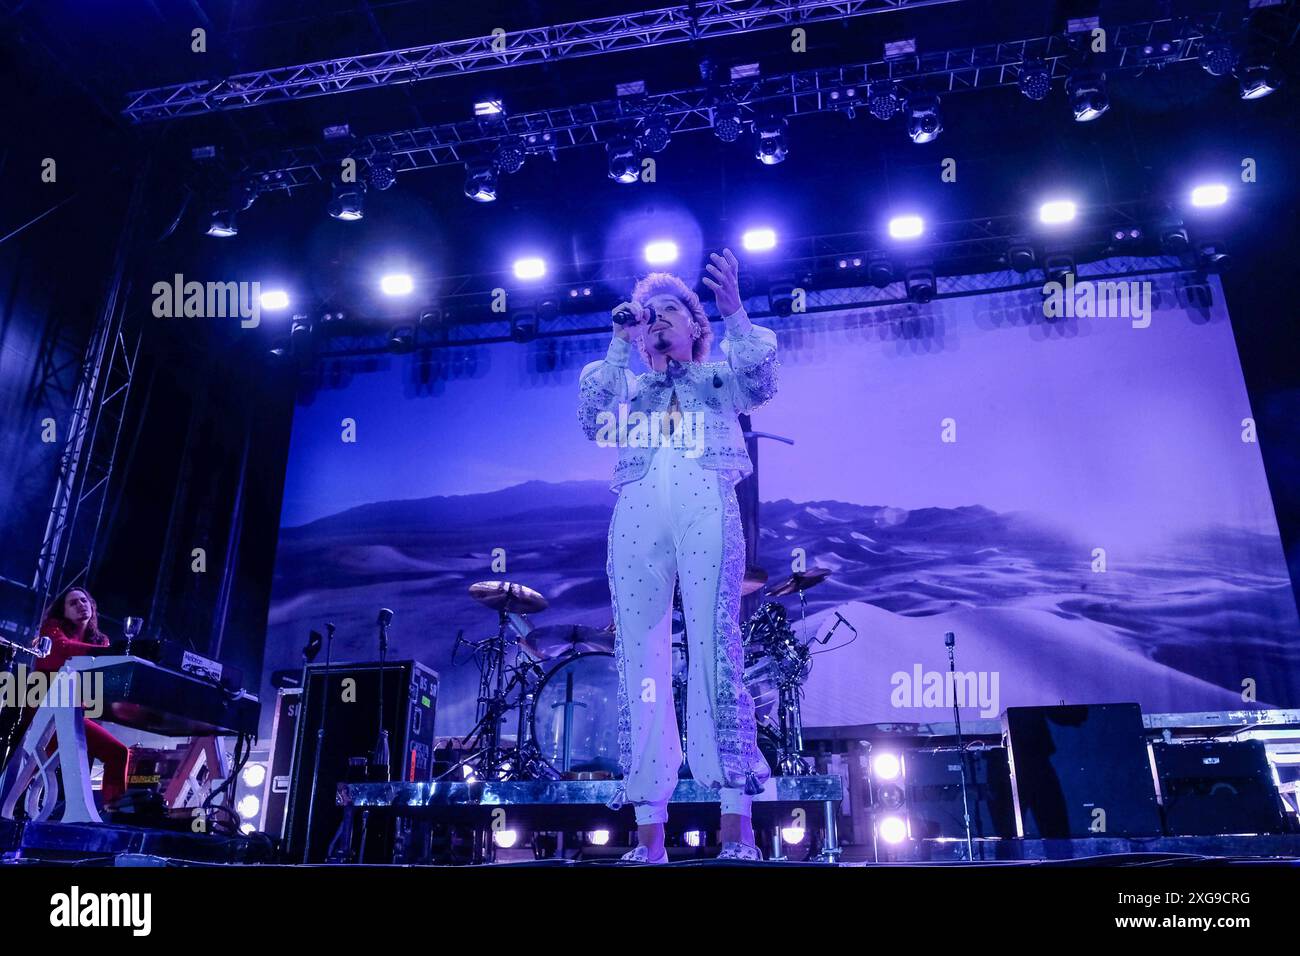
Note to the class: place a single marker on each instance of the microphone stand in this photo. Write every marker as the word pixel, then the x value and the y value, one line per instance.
pixel 950 640
pixel 320 736
pixel 381 759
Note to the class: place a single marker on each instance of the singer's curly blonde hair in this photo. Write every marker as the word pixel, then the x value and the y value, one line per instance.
pixel 665 283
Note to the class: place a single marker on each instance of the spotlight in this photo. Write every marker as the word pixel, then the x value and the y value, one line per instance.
pixel 1020 256
pixel 923 121
pixel 505 838
pixel 792 835
pixel 1210 194
pixel 880 271
pixel 488 108
pixel 780 299
pixel 349 202
pixel 770 142
pixel 523 326
pixel 248 806
pixel 1035 79
pixel 402 341
pixel 656 135
pixel 1218 58
pixel 598 837
pixel 886 766
pixel 1087 92
pixel 661 252
pixel 882 99
pixel 624 159
pixel 692 838
pixel 921 285
pixel 254 774
pixel 1055 212
pixel 431 319
pixel 1173 238
pixel 1059 267
pixel 222 224
pixel 530 267
pixel 300 335
pixel 892 829
pixel 727 123
pixel 510 156
pixel 759 240
pixel 1257 80
pixel 382 172
pixel 1212 256
pixel 396 283
pixel 906 227
pixel 274 300
pixel 481 181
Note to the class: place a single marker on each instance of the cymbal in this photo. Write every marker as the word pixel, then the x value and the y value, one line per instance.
pixel 799 581
pixel 754 579
pixel 507 596
pixel 548 643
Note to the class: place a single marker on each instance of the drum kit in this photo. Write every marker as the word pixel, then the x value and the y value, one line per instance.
pixel 561 684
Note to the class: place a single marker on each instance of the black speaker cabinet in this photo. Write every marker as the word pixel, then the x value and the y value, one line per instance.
pixel 1217 787
pixel 349 700
pixel 934 793
pixel 1081 771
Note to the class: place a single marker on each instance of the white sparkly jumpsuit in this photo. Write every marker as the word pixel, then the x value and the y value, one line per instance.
pixel 677 519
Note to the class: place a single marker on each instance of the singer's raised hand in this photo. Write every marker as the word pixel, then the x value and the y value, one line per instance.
pixel 724 280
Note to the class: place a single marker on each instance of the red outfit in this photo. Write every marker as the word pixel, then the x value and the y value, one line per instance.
pixel 100 744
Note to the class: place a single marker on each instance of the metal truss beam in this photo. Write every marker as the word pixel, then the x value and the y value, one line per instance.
pixel 548 44
pixel 831 89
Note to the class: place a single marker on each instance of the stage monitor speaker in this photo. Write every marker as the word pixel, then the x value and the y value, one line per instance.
pixel 1218 787
pixel 351 729
pixel 934 793
pixel 1081 771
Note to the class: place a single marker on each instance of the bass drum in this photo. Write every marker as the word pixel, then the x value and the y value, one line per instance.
pixel 575 722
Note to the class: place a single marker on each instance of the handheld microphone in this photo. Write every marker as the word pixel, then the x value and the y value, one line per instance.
pixel 626 315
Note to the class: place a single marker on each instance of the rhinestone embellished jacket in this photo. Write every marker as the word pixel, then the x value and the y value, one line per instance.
pixel 716 392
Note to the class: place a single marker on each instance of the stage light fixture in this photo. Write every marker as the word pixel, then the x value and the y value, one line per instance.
pixel 1209 194
pixel 1020 256
pixel 921 285
pixel 1056 212
pixel 381 172
pixel 880 271
pixel 488 108
pixel 759 240
pixel 598 837
pixel 530 267
pixel 892 829
pixel 656 135
pixel 793 835
pixel 254 774
pixel 248 806
pixel 300 335
pixel 396 283
pixel 624 159
pixel 523 326
pixel 1059 267
pixel 1257 80
pixel 432 318
pixel 481 181
pixel 883 99
pixel 886 766
pixel 510 156
pixel 906 227
pixel 924 124
pixel 727 122
pixel 1212 257
pixel 661 252
pixel 274 300
pixel 780 299
pixel 1218 58
pixel 505 839
pixel 348 203
pixel 223 224
pixel 770 141
pixel 1086 89
pixel 1173 238
pixel 1035 79
pixel 402 340
pixel 693 838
